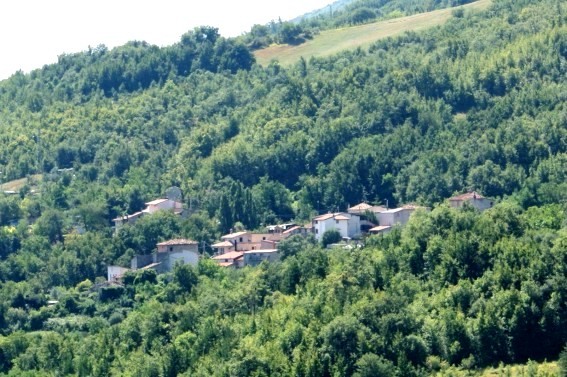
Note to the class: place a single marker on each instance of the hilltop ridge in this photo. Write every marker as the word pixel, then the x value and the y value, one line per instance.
pixel 329 42
pixel 184 144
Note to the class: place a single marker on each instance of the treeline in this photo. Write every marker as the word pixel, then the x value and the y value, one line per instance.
pixel 478 103
pixel 129 68
pixel 352 13
pixel 453 288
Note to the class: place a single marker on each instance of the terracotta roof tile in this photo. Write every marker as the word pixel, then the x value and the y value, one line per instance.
pixel 360 207
pixel 230 255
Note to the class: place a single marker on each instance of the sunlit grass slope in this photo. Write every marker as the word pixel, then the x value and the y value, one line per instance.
pixel 332 41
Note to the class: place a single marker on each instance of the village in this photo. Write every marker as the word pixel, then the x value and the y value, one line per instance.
pixel 246 248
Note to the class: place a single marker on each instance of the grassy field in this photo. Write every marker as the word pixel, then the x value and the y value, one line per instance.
pixel 546 369
pixel 17 184
pixel 535 369
pixel 329 42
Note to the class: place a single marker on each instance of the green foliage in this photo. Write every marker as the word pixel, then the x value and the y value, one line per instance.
pixel 185 277
pixel 50 225
pixel 330 236
pixel 291 246
pixel 475 104
pixel 372 365
pixel 562 363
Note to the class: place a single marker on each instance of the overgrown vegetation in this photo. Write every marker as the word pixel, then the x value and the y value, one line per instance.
pixel 478 103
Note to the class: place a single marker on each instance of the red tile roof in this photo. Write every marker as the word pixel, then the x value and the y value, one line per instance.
pixel 324 217
pixel 360 207
pixel 230 255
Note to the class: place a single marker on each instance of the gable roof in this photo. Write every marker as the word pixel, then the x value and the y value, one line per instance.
pixel 379 228
pixel 178 241
pixel 233 235
pixel 336 215
pixel 127 217
pixel 377 209
pixel 394 210
pixel 156 202
pixel 361 207
pixel 223 244
pixel 291 229
pixel 324 217
pixel 230 255
pixel 467 196
pixel 342 217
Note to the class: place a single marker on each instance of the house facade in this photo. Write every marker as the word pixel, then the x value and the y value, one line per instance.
pixel 231 259
pixel 473 199
pixel 222 247
pixel 255 257
pixel 380 229
pixel 176 251
pixel 151 208
pixel 348 225
pixel 244 241
pixel 163 260
pixel 114 273
pixel 237 239
pixel 163 205
pixel 395 216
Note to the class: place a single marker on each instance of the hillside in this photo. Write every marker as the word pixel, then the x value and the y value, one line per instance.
pixel 475 103
pixel 330 42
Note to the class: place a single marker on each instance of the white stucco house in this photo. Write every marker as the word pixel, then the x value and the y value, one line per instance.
pixel 162 205
pixel 347 224
pixel 176 251
pixel 163 260
pixel 151 208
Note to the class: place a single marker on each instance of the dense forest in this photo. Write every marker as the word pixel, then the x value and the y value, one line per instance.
pixel 478 103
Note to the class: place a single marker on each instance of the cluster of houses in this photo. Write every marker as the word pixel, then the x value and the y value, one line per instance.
pixel 244 248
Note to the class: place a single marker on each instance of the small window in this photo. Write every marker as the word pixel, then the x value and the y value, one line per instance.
pixel 171 248
pixel 337 221
pixel 240 239
pixel 263 238
pixel 316 231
